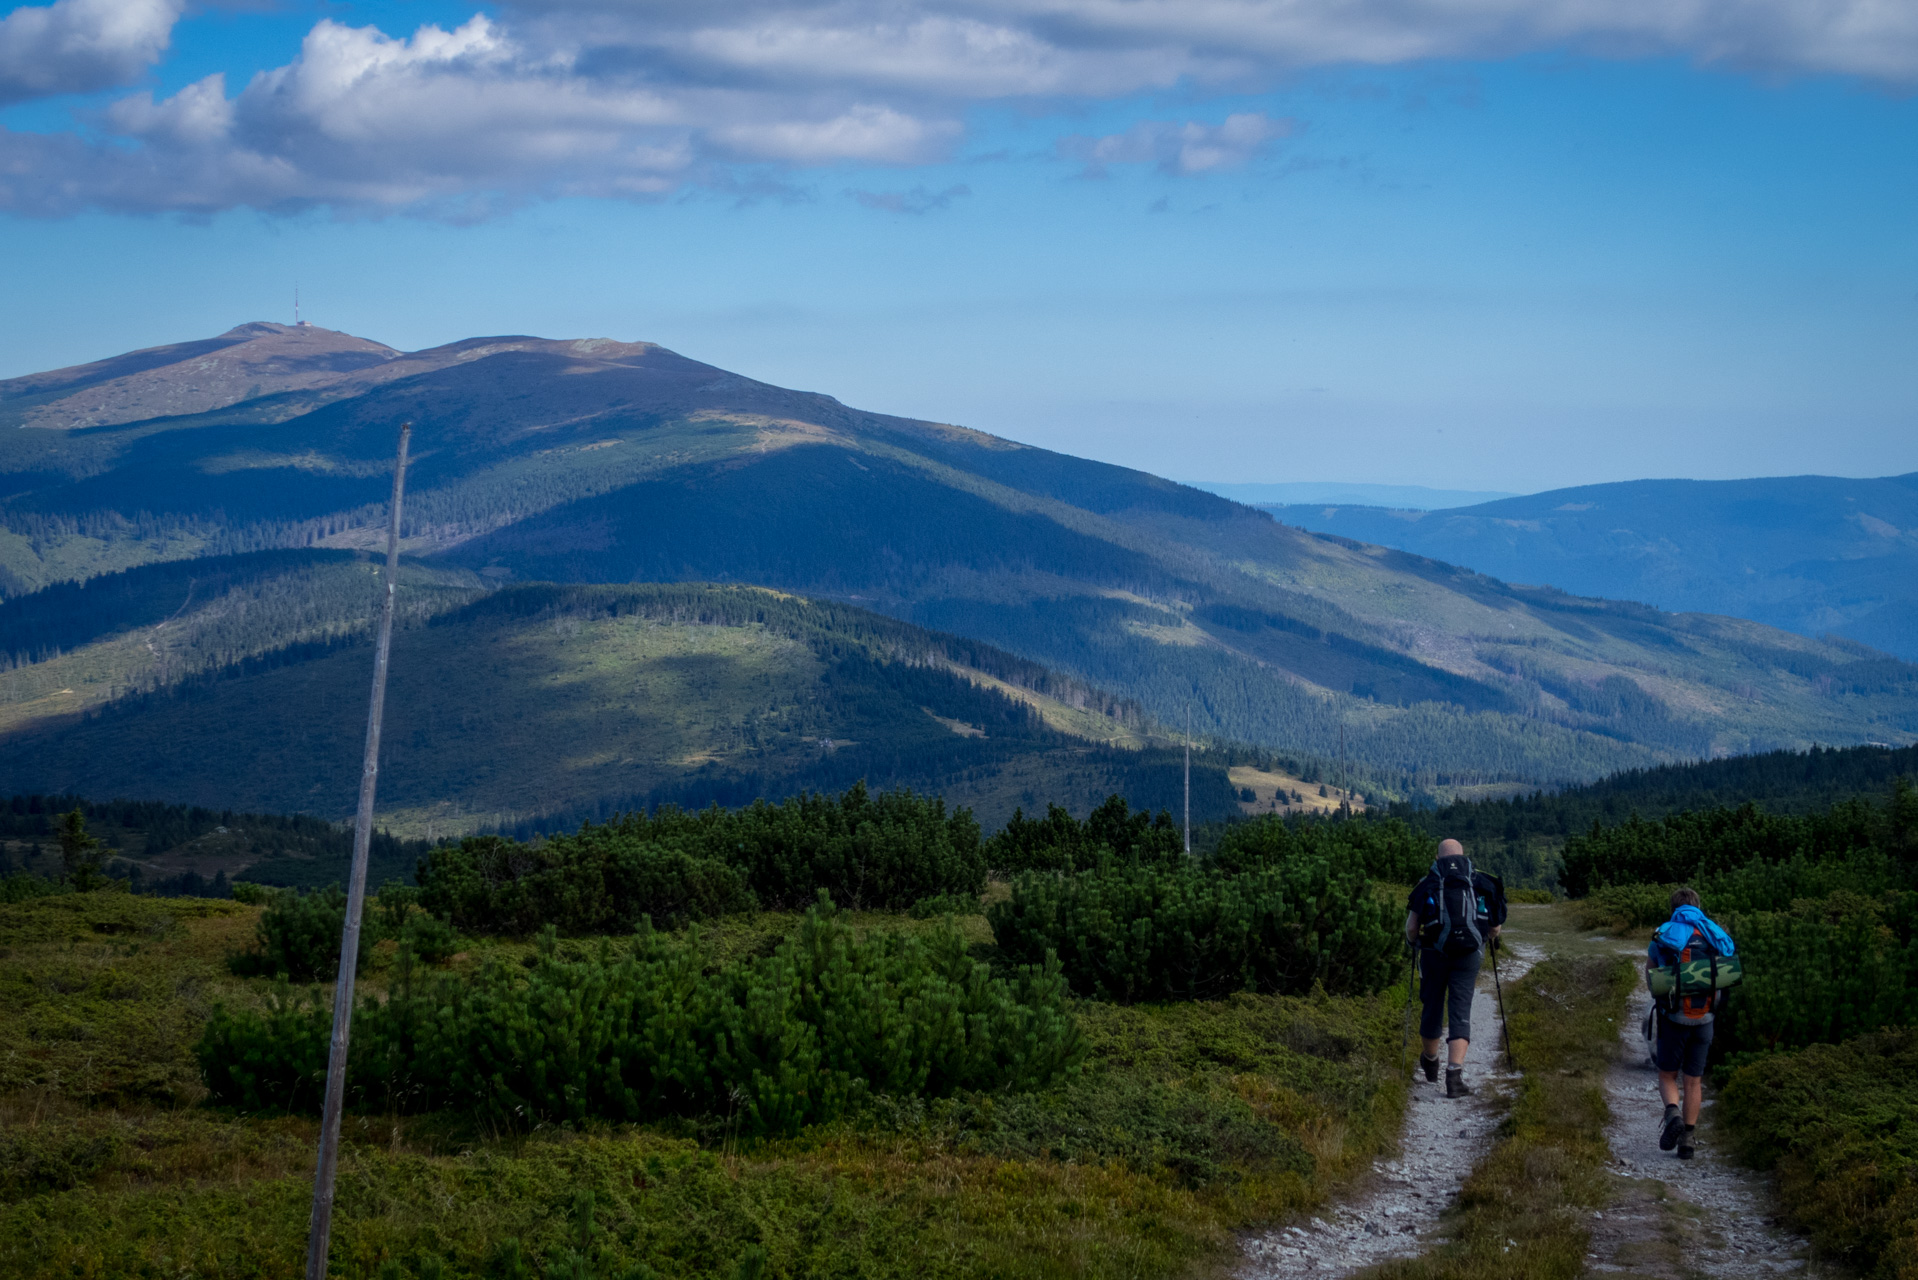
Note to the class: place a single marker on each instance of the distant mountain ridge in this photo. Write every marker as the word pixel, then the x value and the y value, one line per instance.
pixel 1810 554
pixel 593 461
pixel 1405 497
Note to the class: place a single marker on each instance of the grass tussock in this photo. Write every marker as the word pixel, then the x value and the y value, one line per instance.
pixel 1521 1215
pixel 1189 1122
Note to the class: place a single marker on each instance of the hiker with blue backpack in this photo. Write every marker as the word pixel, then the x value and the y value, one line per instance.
pixel 1690 964
pixel 1453 918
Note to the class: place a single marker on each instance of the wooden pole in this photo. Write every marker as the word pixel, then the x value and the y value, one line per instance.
pixel 321 1226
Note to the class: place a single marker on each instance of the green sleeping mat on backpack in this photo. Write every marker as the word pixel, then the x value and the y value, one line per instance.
pixel 1696 976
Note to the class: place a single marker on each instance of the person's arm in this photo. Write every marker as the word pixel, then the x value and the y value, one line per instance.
pixel 1411 928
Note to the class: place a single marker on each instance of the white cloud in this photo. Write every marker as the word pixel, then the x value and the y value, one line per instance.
pixel 916 201
pixel 624 99
pixel 1188 148
pixel 79 46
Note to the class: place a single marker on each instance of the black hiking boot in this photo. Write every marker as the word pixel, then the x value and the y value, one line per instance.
pixel 1674 1126
pixel 1430 1066
pixel 1455 1086
pixel 1685 1148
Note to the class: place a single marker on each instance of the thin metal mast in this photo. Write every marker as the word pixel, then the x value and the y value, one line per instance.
pixel 322 1222
pixel 1345 779
pixel 1188 779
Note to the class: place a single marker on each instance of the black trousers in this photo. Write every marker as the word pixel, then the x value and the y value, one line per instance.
pixel 1445 989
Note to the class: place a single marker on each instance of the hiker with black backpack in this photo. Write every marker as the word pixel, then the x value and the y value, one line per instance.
pixel 1690 964
pixel 1454 917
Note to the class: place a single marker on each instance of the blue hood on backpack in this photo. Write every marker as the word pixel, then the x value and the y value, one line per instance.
pixel 1677 931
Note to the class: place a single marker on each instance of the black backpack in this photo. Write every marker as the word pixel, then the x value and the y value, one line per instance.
pixel 1463 916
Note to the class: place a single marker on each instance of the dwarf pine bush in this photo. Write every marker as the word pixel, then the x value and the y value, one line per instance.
pixel 1385 849
pixel 640 1031
pixel 1131 932
pixel 1060 842
pixel 298 937
pixel 869 852
pixel 268 1060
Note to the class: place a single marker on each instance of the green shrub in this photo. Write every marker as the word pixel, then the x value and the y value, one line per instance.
pixel 1141 932
pixel 599 881
pixel 1774 886
pixel 1381 848
pixel 268 1060
pixel 868 852
pixel 299 937
pixel 1839 1125
pixel 22 885
pixel 1624 906
pixel 826 1021
pixel 249 893
pixel 430 938
pixel 1829 969
pixel 1531 897
pixel 1060 842
pixel 945 904
pixel 393 906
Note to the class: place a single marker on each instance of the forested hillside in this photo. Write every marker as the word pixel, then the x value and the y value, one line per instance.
pixel 1523 835
pixel 536 706
pixel 598 461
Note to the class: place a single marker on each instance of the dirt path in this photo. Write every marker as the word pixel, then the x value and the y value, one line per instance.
pixel 1707 1217
pixel 1395 1214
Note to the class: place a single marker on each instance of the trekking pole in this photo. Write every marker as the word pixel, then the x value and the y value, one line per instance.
pixel 1510 1061
pixel 1405 1018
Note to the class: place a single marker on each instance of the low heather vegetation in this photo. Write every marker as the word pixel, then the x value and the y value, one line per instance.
pixel 577 1079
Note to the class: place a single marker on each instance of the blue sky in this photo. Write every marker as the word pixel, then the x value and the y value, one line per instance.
pixel 1226 239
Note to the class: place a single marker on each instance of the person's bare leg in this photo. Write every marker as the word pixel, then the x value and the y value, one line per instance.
pixel 1668 1087
pixel 1456 1052
pixel 1694 1098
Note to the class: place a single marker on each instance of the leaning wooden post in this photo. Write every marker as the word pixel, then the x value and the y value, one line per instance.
pixel 322 1221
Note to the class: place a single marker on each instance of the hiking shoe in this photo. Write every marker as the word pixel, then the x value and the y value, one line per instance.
pixel 1685 1148
pixel 1674 1126
pixel 1455 1086
pixel 1430 1066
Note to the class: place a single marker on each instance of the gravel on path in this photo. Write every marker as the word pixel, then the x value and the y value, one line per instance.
pixel 1708 1216
pixel 1395 1213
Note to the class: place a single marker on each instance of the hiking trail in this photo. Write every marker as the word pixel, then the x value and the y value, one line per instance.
pixel 1396 1213
pixel 1674 1219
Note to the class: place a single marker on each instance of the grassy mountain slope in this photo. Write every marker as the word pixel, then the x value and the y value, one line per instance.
pixel 547 704
pixel 605 462
pixel 1811 554
pixel 243 363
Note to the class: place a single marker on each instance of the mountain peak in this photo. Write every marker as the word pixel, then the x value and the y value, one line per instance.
pixel 257 358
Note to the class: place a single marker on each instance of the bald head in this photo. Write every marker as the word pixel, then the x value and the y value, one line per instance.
pixel 1451 849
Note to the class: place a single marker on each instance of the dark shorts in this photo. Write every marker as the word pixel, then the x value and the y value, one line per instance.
pixel 1445 988
pixel 1682 1048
